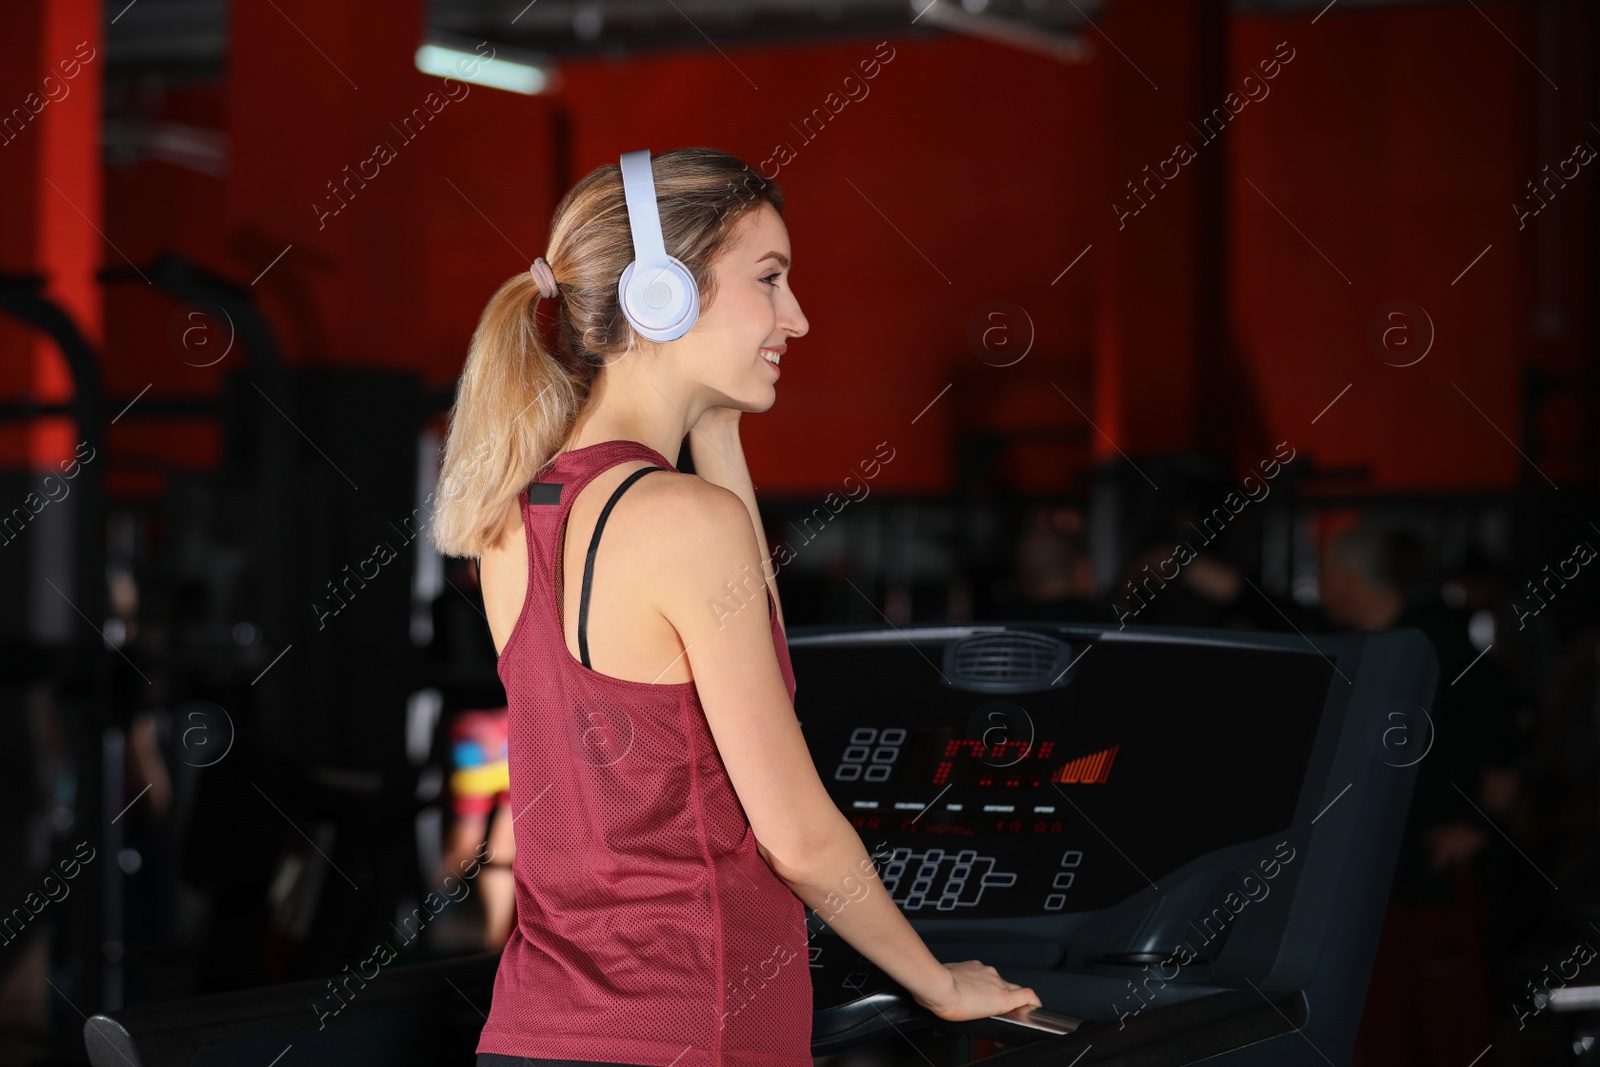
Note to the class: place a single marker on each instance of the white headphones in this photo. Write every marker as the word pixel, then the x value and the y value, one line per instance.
pixel 658 294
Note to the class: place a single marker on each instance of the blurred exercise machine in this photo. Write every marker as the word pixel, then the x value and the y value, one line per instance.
pixel 305 709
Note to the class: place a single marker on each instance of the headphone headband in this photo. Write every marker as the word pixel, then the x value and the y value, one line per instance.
pixel 639 188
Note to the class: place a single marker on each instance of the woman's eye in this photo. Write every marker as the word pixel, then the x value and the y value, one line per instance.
pixel 768 278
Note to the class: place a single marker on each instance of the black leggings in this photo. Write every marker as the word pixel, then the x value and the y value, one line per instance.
pixel 495 1059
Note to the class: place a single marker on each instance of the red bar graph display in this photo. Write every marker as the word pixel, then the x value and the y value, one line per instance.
pixel 1092 769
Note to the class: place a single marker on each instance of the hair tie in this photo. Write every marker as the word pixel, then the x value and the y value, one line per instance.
pixel 544 278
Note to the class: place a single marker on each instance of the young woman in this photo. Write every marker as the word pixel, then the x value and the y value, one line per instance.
pixel 670 826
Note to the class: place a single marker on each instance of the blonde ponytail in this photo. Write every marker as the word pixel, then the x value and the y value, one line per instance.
pixel 513 406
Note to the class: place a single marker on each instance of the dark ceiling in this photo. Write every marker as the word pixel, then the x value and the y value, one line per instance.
pixel 154 45
pixel 185 39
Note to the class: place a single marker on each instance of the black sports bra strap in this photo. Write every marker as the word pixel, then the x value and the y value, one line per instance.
pixel 588 563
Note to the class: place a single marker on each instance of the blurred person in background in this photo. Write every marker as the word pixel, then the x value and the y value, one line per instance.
pixel 1207 590
pixel 480 800
pixel 1429 1001
pixel 474 719
pixel 1052 579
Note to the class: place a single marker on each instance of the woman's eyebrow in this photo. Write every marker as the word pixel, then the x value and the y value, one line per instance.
pixel 782 259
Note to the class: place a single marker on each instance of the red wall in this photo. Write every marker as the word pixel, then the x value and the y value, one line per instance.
pixel 912 206
pixel 1395 141
pixel 51 61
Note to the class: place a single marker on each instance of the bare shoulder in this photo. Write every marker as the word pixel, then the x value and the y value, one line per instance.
pixel 694 501
pixel 688 538
pixel 697 523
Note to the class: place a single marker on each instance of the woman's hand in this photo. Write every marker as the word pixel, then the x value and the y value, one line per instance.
pixel 979 992
pixel 716 449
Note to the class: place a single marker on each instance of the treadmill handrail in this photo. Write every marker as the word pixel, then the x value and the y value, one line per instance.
pixel 1173 1035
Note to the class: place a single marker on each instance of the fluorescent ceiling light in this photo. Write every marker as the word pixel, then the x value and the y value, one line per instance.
pixel 473 67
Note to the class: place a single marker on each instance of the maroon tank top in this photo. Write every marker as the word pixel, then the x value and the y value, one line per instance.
pixel 648 928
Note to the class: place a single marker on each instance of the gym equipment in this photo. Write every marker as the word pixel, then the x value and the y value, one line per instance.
pixel 1181 839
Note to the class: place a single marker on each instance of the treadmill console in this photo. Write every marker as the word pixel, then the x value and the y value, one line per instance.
pixel 1058 798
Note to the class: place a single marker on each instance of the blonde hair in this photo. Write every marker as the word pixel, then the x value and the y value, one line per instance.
pixel 518 397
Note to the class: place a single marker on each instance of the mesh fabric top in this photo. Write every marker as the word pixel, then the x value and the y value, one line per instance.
pixel 649 929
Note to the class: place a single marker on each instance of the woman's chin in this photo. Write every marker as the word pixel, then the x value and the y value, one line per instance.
pixel 759 399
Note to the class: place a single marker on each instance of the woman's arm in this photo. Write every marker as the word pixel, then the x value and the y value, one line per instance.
pixel 799 830
pixel 719 459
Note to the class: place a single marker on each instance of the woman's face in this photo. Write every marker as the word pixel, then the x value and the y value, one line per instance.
pixel 754 310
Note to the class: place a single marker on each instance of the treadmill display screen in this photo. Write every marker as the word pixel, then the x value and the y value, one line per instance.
pixel 976 805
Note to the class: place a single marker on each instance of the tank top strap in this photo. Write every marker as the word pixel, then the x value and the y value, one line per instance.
pixel 559 483
pixel 588 562
pixel 563 477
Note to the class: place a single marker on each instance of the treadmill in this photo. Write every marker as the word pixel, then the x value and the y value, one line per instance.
pixel 1181 839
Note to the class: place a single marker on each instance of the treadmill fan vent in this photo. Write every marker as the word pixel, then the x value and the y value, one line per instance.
pixel 1012 662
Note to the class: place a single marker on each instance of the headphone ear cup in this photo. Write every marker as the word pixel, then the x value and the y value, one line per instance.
pixel 662 303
